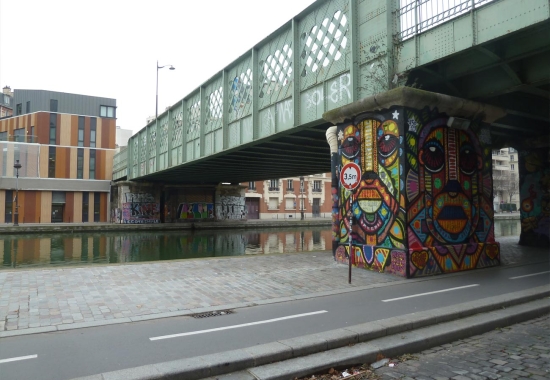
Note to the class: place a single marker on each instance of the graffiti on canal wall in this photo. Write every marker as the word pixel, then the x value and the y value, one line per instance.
pixel 230 207
pixel 195 210
pixel 140 208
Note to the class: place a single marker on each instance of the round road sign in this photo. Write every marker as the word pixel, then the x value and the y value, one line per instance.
pixel 350 176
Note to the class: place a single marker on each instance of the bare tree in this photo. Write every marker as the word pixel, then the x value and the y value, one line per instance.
pixel 505 184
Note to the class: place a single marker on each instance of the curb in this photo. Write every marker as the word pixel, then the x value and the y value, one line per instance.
pixel 308 354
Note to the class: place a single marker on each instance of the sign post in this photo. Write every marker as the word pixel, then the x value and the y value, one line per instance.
pixel 350 176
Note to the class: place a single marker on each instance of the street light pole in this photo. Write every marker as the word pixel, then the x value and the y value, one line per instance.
pixel 301 198
pixel 16 166
pixel 157 103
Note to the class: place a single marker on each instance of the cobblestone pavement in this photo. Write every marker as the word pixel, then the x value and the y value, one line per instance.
pixel 520 351
pixel 49 297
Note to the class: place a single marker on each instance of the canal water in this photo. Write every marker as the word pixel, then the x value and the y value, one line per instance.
pixel 51 250
pixel 34 251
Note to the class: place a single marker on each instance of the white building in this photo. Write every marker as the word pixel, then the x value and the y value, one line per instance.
pixel 505 179
pixel 121 137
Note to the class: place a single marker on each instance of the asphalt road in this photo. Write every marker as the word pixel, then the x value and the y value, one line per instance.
pixel 82 352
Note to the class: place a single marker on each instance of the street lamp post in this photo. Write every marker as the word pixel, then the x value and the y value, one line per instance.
pixel 301 198
pixel 16 166
pixel 157 104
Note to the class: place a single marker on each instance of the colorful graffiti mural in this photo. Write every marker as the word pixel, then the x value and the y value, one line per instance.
pixel 140 208
pixel 534 185
pixel 196 210
pixel 424 203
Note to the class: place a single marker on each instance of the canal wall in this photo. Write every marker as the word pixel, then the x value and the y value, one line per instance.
pixel 199 225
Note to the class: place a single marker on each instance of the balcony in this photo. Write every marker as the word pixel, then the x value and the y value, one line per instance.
pixel 273 189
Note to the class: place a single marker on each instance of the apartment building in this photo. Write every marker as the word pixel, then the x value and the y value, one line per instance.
pixel 6 102
pixel 64 144
pixel 505 180
pixel 288 198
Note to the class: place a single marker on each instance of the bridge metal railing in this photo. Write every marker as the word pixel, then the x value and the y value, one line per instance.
pixel 331 54
pixel 418 16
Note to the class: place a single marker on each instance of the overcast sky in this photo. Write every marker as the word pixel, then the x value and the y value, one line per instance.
pixel 110 48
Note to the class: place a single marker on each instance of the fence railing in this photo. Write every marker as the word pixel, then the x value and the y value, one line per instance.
pixel 417 16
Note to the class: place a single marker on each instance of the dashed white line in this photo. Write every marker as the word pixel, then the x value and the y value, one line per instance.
pixel 426 294
pixel 529 275
pixel 238 326
pixel 18 358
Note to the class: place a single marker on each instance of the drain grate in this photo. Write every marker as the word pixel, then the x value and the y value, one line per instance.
pixel 212 314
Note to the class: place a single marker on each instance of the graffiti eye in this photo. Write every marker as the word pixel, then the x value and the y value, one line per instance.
pixel 387 144
pixel 468 159
pixel 527 205
pixel 433 156
pixel 350 147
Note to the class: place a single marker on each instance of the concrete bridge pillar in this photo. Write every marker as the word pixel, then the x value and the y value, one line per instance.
pixel 534 174
pixel 424 202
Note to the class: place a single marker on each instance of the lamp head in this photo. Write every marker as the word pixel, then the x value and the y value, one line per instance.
pixel 17 165
pixel 172 67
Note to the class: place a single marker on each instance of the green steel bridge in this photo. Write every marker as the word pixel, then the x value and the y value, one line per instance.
pixel 261 116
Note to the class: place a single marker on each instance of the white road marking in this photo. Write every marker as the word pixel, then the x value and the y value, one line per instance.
pixel 529 275
pixel 426 294
pixel 18 358
pixel 238 326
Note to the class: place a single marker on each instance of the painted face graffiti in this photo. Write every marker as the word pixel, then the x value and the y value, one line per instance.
pixel 378 193
pixel 450 176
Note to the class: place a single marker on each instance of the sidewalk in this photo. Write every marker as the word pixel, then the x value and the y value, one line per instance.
pixel 43 300
pixel 516 352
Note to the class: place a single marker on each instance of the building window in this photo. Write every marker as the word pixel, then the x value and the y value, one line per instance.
pixel 53 105
pixel 106 111
pixel 93 126
pixel 317 186
pixel 28 108
pixel 7 100
pixel 81 131
pixel 3 136
pixel 290 185
pixel 8 206
pixel 512 157
pixel 92 163
pixel 85 197
pixel 274 185
pixel 19 135
pixel 31 137
pixel 273 203
pixel 290 204
pixel 80 163
pixel 53 128
pixel 252 185
pixel 19 109
pixel 512 166
pixel 97 205
pixel 51 162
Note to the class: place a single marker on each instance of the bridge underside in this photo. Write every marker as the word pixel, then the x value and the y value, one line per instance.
pixel 301 151
pixel 510 72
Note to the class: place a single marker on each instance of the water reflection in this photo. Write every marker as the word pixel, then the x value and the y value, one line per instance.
pixel 507 227
pixel 28 251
